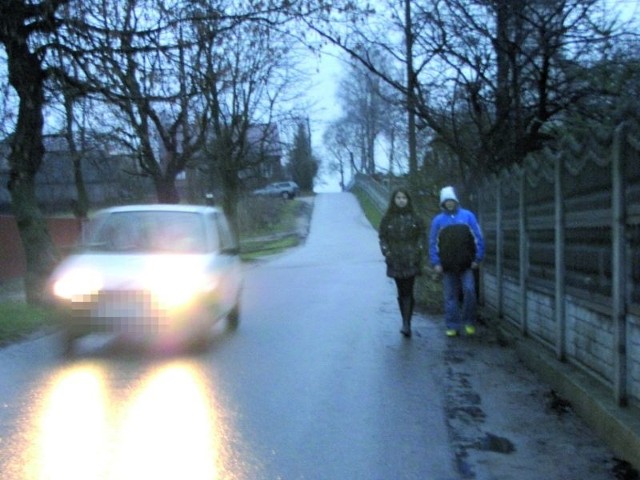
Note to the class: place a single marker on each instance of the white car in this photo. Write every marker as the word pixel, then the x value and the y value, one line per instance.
pixel 160 272
pixel 279 189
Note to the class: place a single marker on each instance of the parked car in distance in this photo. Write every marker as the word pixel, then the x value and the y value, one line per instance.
pixel 164 273
pixel 279 189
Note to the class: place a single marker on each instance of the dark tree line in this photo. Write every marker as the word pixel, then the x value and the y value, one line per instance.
pixel 483 83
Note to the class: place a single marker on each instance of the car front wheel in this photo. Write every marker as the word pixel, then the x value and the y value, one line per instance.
pixel 67 342
pixel 233 318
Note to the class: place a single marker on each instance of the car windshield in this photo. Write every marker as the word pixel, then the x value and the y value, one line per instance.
pixel 147 232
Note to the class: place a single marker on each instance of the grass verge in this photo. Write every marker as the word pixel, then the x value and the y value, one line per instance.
pixel 18 320
pixel 278 233
pixel 373 214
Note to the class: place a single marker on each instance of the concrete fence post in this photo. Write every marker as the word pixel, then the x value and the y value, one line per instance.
pixel 480 286
pixel 523 252
pixel 499 250
pixel 559 247
pixel 619 268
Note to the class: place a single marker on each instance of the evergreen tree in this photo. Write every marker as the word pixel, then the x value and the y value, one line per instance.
pixel 302 165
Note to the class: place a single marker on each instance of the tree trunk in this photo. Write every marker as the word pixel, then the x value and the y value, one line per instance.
pixel 27 151
pixel 230 193
pixel 40 253
pixel 81 205
pixel 230 208
pixel 166 189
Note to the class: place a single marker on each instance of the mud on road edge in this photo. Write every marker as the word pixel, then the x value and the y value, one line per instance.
pixel 506 422
pixel 618 426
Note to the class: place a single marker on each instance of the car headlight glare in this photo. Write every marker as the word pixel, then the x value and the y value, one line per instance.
pixel 77 285
pixel 179 291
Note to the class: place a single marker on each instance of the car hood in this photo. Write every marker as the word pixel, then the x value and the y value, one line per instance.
pixel 135 271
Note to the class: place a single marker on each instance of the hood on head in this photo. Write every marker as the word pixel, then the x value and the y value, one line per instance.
pixel 448 193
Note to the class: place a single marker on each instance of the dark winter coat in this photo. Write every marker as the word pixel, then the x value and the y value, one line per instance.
pixel 402 238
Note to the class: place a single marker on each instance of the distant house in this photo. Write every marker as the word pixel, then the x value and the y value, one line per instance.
pixel 262 164
pixel 108 180
pixel 265 154
pixel 102 173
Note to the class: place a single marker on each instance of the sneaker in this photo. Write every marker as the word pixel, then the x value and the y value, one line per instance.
pixel 451 332
pixel 470 330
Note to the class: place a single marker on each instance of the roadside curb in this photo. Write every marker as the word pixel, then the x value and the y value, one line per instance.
pixel 618 426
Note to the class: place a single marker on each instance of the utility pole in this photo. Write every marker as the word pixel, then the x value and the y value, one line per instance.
pixel 411 89
pixel 309 137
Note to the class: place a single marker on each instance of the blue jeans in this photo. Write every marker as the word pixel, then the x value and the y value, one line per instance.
pixel 457 315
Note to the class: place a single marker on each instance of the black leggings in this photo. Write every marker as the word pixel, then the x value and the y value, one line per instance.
pixel 405 286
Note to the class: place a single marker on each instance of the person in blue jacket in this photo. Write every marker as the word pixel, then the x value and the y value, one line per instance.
pixel 456 248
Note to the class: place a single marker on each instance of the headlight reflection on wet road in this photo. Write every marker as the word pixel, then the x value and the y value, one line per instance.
pixel 167 430
pixel 165 427
pixel 73 430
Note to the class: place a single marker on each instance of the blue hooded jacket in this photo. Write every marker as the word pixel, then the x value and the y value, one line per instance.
pixel 455 239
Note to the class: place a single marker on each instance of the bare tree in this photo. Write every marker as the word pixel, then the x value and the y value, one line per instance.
pixel 373 119
pixel 73 135
pixel 186 82
pixel 338 140
pixel 364 107
pixel 25 33
pixel 140 64
pixel 242 79
pixel 491 76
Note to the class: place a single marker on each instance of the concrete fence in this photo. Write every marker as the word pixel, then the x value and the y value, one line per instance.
pixel 377 192
pixel 563 254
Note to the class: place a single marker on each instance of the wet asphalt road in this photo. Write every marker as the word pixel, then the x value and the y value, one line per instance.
pixel 316 383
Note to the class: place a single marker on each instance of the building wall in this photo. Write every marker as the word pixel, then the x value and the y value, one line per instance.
pixel 64 234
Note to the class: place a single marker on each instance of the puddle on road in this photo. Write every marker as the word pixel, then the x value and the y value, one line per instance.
pixel 495 443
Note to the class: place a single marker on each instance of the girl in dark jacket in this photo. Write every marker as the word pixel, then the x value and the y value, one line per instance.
pixel 402 236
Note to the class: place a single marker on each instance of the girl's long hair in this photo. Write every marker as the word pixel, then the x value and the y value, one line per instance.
pixel 393 208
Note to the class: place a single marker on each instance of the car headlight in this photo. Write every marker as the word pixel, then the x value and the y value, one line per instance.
pixel 77 285
pixel 178 289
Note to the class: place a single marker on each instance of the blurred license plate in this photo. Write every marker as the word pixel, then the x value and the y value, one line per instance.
pixel 124 305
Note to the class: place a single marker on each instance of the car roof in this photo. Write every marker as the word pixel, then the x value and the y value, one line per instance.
pixel 161 207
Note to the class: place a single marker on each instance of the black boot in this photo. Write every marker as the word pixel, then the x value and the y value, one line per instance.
pixel 406 309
